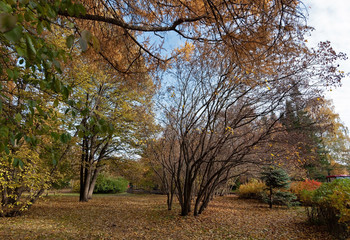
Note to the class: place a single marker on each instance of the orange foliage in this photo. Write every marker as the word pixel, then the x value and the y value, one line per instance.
pixel 309 185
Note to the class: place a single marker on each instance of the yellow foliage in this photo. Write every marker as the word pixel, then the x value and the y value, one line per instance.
pixel 253 189
pixel 30 178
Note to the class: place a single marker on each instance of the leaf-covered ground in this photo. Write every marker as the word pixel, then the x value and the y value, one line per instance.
pixel 146 217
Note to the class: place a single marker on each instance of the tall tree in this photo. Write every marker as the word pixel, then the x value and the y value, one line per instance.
pixel 218 114
pixel 111 116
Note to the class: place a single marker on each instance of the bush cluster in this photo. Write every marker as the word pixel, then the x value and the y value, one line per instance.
pixel 107 184
pixel 253 189
pixel 330 205
pixel 299 188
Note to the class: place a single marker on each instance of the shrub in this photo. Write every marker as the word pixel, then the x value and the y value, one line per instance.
pixel 75 184
pixel 107 184
pixel 330 204
pixel 299 188
pixel 253 189
pixel 305 197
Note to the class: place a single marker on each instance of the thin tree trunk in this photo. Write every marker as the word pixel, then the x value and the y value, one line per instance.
pixel 93 182
pixel 172 192
pixel 87 181
pixel 186 206
pixel 270 203
pixel 83 172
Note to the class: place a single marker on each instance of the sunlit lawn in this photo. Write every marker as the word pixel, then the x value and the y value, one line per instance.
pixel 145 217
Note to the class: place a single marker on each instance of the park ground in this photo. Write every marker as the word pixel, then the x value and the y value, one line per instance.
pixel 146 217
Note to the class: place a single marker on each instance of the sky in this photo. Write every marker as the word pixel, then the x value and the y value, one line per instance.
pixel 331 20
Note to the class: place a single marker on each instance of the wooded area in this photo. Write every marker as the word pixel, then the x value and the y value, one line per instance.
pixel 186 98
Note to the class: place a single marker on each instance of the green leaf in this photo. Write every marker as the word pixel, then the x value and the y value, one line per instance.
pixel 10 73
pixel 85 111
pixel 81 134
pixel 11 2
pixel 56 85
pixel 39 28
pixel 54 161
pixel 7 151
pixel 70 41
pixel 14 35
pixel 12 139
pixel 18 117
pixel 30 47
pixel 40 110
pixel 51 12
pixel 15 73
pixel 4 131
pixel 29 16
pixel 70 10
pixel 96 44
pixel 20 51
pixel 83 44
pixel 28 139
pixel 80 10
pixel 15 162
pixel 24 2
pixel 7 22
pixel 18 136
pixel 86 35
pixel 5 7
pixel 70 102
pixel 55 135
pixel 33 4
pixel 65 93
pixel 65 137
pixel 55 103
pixel 31 103
pixel 20 163
pixel 0 105
pixel 57 64
pixel 71 25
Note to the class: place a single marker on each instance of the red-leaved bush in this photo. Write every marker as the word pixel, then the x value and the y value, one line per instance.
pixel 309 185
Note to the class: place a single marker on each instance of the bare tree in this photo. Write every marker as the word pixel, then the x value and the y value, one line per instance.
pixel 219 113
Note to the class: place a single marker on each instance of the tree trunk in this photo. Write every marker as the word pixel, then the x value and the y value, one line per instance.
pixel 270 202
pixel 82 184
pixel 93 182
pixel 186 206
pixel 87 182
pixel 169 200
pixel 83 172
